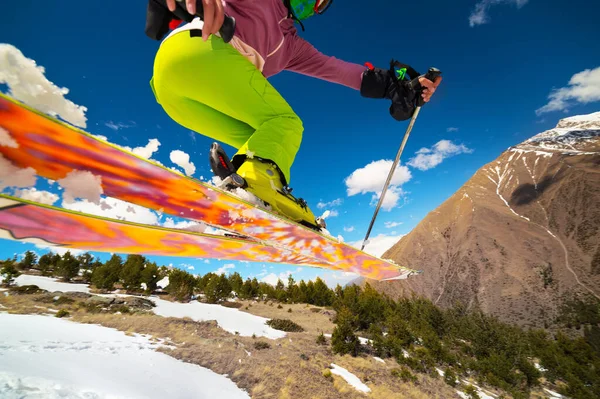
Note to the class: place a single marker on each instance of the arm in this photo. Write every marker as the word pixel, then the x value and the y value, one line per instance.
pixel 307 60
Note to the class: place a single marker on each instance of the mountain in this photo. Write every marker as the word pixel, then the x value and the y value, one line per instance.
pixel 520 236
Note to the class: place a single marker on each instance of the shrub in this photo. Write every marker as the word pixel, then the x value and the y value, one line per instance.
pixel 26 290
pixel 290 310
pixel 279 306
pixel 327 374
pixel 259 345
pixel 450 377
pixel 321 340
pixel 404 374
pixel 62 313
pixel 471 392
pixel 343 340
pixel 285 325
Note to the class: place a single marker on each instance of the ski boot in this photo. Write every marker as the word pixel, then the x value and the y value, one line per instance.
pixel 263 178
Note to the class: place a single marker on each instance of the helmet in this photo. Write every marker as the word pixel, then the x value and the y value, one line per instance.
pixel 303 9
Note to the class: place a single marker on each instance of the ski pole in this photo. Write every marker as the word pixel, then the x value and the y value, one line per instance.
pixel 432 74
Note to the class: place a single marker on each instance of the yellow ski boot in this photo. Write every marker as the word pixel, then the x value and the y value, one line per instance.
pixel 263 179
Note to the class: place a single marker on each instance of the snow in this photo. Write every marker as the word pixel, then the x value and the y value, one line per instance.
pixel 229 319
pixel 440 372
pixel 553 394
pixel 380 360
pixel 46 357
pixel 163 283
pixel 350 378
pixel 50 284
pixel 462 394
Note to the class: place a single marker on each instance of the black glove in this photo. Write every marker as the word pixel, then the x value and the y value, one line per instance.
pixel 404 92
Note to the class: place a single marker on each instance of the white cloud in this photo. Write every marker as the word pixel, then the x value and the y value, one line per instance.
pixel 349 229
pixel 584 87
pixel 376 246
pixel 372 177
pixel 452 129
pixel 81 184
pixel 12 176
pixel 27 83
pixel 330 204
pixel 115 209
pixel 391 200
pixel 41 196
pixel 182 159
pixel 428 158
pixel 119 125
pixel 224 269
pixel 187 266
pixel 391 225
pixel 6 139
pixel 273 278
pixel 147 150
pixel 479 16
pixel 187 225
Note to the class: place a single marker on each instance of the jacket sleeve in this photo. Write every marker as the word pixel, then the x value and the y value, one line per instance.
pixel 307 60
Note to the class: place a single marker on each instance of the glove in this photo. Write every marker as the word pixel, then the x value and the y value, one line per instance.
pixel 404 93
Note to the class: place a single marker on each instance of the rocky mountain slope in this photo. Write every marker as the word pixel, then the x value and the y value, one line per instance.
pixel 519 235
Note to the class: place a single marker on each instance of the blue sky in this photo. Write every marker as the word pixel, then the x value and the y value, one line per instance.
pixel 501 59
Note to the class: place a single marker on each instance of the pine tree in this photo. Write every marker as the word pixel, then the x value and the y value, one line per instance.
pixel 46 263
pixel 280 293
pixel 8 271
pixel 131 272
pixel 246 290
pixel 68 267
pixel 105 276
pixel 150 276
pixel 29 261
pixel 322 295
pixel 236 282
pixel 217 289
pixel 343 340
pixel 181 285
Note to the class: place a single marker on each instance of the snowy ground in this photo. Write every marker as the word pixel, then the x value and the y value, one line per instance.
pixel 50 284
pixel 45 357
pixel 231 320
pixel 350 378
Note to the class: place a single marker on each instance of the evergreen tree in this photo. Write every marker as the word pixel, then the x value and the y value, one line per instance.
pixel 236 282
pixel 343 340
pixel 302 296
pixel 150 276
pixel 8 271
pixel 181 285
pixel 280 293
pixel 131 272
pixel 255 287
pixel 29 261
pixel 293 291
pixel 68 267
pixel 46 263
pixel 105 276
pixel 322 295
pixel 310 292
pixel 246 290
pixel 217 289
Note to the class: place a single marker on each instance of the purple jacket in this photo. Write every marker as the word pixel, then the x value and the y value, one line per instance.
pixel 268 38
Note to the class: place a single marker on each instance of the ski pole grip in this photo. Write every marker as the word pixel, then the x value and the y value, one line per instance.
pixel 431 75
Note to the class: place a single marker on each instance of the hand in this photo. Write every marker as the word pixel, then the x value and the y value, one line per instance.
pixel 429 87
pixel 214 15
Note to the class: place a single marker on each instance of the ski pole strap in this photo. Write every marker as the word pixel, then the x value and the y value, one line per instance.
pixel 403 71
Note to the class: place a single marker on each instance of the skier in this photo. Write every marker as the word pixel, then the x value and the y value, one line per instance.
pixel 221 89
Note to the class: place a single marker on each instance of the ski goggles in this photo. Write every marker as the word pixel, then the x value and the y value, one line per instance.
pixel 304 9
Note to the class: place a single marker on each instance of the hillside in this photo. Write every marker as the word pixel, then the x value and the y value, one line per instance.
pixel 520 236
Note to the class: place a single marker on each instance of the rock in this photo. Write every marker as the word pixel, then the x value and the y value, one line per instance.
pixel 139 303
pixel 100 300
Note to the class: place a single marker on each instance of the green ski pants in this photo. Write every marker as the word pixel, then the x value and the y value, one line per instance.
pixel 210 88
